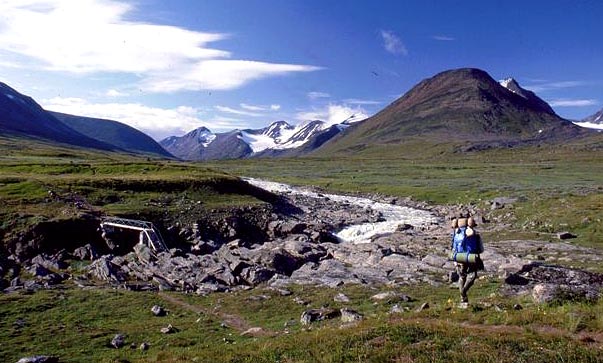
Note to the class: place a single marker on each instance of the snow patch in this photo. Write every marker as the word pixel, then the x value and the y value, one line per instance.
pixel 599 117
pixel 208 139
pixel 279 139
pixel 590 125
pixel 505 83
pixel 393 215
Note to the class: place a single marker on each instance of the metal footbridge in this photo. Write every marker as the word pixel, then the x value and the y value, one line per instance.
pixel 149 235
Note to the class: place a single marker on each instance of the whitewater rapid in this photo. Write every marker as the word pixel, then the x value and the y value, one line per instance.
pixel 393 215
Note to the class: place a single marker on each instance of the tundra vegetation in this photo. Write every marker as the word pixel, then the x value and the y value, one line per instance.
pixel 556 189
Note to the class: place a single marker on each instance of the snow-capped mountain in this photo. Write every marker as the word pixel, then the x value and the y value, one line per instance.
pixel 278 138
pixel 512 85
pixel 593 121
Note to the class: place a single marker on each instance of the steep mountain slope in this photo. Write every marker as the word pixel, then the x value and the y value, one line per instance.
pixel 112 132
pixel 464 106
pixel 597 118
pixel 22 116
pixel 278 139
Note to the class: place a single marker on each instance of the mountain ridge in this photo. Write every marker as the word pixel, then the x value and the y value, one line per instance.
pixel 21 116
pixel 463 105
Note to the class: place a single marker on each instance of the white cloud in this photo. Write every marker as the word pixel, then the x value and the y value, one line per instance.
pixel 260 108
pixel 217 75
pixel 334 114
pixel 156 122
pixel 392 43
pixel 549 86
pixel 443 38
pixel 564 102
pixel 316 95
pixel 115 93
pixel 355 101
pixel 90 36
pixel 236 112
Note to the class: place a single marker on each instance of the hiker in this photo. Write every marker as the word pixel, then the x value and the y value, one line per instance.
pixel 466 248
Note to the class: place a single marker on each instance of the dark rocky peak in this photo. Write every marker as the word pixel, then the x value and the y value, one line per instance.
pixel 512 85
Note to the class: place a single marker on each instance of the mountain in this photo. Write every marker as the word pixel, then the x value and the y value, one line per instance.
pixel 464 106
pixel 278 139
pixel 21 116
pixel 597 118
pixel 112 132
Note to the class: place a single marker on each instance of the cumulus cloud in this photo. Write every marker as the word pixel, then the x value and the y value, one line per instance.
pixel 156 122
pixel 392 43
pixel 334 114
pixel 90 36
pixel 564 102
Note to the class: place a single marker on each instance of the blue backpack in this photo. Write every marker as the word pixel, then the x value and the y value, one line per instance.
pixel 462 243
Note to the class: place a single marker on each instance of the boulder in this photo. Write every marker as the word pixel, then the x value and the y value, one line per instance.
pixel 104 269
pixel 86 252
pixel 158 310
pixel 144 253
pixel 118 341
pixel 55 262
pixel 340 297
pixel 349 315
pixel 312 315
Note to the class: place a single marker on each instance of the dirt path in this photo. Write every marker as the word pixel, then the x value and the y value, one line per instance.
pixel 232 321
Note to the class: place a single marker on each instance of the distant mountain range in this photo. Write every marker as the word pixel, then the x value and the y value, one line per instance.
pixel 465 109
pixel 278 139
pixel 595 120
pixel 21 116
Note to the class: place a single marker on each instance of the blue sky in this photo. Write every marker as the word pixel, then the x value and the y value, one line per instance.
pixel 167 67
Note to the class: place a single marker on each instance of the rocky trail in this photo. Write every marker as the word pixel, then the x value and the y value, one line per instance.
pixel 309 237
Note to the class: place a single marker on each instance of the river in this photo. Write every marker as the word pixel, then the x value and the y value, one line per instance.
pixel 393 215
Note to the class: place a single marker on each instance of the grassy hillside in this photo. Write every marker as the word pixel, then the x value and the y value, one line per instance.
pixel 44 182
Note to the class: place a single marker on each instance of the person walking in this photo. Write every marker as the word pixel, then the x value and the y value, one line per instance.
pixel 466 248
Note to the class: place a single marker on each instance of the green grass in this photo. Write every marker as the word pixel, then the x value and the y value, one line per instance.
pixel 78 325
pixel 558 189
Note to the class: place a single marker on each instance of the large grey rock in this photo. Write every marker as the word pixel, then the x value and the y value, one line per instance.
pixel 144 253
pixel 86 252
pixel 55 262
pixel 104 269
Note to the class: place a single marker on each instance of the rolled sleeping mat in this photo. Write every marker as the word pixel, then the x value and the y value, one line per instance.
pixel 463 257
